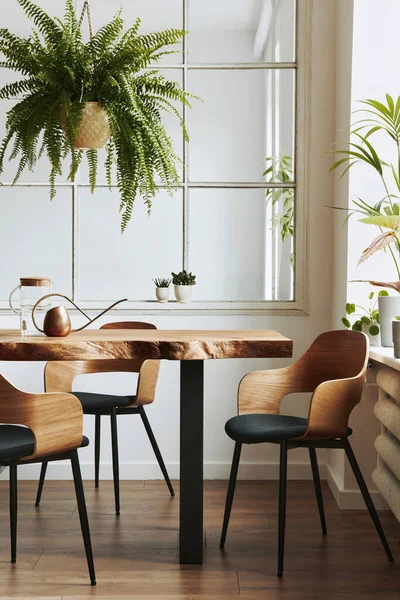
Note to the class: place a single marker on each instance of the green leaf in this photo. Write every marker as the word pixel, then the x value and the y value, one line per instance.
pixel 387 222
pixel 370 295
pixel 346 323
pixel 357 326
pixel 373 330
pixel 349 309
pixel 383 293
pixel 365 320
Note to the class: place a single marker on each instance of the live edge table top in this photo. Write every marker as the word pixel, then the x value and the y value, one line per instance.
pixel 108 344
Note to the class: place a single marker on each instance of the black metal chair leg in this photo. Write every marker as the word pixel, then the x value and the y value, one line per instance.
pixel 41 482
pixel 367 497
pixel 115 459
pixel 230 492
pixel 80 497
pixel 156 450
pixel 13 512
pixel 317 486
pixel 97 450
pixel 282 505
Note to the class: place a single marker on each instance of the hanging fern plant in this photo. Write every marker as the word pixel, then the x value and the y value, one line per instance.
pixel 65 81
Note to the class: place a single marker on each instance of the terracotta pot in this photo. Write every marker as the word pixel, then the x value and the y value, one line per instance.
pixel 94 129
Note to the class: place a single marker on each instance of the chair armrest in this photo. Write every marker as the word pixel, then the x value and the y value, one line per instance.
pixel 263 391
pixel 56 419
pixel 331 405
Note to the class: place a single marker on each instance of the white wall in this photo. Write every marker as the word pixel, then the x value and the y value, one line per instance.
pixel 222 377
pixel 371 39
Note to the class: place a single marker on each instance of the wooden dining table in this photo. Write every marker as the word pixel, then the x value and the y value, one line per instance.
pixel 189 347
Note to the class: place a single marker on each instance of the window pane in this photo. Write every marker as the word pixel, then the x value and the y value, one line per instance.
pixel 279 244
pixel 36 237
pixel 245 117
pixel 241 31
pixel 114 265
pixel 243 258
pixel 155 15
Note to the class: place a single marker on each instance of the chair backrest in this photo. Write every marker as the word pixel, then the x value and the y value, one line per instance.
pixel 59 375
pixel 55 419
pixel 333 369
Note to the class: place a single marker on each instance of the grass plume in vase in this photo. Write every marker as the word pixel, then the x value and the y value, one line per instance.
pixel 60 70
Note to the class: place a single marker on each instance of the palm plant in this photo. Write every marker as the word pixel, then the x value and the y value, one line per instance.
pixel 61 73
pixel 383 118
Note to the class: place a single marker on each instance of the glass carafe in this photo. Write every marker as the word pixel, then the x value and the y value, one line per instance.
pixel 31 290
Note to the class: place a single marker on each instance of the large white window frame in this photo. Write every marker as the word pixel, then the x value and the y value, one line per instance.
pixel 299 305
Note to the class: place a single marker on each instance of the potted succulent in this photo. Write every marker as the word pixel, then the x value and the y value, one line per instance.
pixel 384 119
pixel 75 95
pixel 183 283
pixel 162 288
pixel 367 319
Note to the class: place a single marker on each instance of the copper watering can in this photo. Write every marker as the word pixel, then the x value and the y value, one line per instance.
pixel 57 322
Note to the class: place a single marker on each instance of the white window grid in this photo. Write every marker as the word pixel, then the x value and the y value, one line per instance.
pixel 302 68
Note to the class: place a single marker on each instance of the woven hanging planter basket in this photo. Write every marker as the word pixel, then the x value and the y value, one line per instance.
pixel 94 129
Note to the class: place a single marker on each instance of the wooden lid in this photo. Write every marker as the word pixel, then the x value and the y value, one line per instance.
pixel 35 281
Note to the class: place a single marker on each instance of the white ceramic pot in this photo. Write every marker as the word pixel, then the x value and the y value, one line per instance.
pixel 389 307
pixel 374 340
pixel 162 294
pixel 183 293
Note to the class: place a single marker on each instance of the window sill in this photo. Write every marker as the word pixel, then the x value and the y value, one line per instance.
pixel 152 307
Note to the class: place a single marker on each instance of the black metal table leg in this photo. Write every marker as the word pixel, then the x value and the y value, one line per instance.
pixel 191 462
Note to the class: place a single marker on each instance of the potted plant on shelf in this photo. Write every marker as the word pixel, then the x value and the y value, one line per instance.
pixel 183 283
pixel 367 319
pixel 382 118
pixel 77 95
pixel 162 288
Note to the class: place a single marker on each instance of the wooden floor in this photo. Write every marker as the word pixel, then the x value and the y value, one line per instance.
pixel 136 554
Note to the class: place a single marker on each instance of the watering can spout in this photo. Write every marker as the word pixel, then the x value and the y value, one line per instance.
pixel 57 322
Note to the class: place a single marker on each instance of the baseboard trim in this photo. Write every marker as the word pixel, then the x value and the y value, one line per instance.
pixel 351 499
pixel 138 471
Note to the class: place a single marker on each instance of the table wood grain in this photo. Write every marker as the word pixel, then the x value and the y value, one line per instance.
pixel 93 344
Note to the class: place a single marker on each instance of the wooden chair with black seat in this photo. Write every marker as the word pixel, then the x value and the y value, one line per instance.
pixel 333 370
pixel 37 428
pixel 59 376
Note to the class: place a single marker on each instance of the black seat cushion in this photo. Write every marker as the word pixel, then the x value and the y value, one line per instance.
pixel 92 403
pixel 255 429
pixel 16 442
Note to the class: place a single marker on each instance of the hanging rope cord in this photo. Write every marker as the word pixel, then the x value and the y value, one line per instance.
pixel 86 9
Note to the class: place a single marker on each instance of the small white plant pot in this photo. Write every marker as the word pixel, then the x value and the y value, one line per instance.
pixel 183 293
pixel 374 340
pixel 162 294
